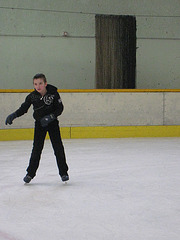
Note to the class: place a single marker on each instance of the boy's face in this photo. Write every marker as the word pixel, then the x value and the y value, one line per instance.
pixel 40 85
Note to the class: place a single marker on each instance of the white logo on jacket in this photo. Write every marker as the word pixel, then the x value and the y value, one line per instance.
pixel 48 99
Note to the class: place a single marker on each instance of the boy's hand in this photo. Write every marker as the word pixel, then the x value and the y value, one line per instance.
pixel 47 119
pixel 10 118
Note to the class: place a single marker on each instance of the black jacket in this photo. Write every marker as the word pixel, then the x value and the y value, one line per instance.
pixel 42 105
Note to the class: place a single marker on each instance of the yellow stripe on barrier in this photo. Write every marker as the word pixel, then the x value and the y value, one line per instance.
pixel 26 134
pixel 125 131
pixel 97 132
pixel 16 134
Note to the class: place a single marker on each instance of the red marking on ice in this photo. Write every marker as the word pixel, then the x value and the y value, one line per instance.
pixel 6 236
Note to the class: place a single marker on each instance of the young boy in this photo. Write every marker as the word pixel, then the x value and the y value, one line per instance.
pixel 47 107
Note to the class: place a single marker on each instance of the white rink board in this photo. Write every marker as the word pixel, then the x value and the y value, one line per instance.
pixel 172 109
pixel 112 109
pixel 103 109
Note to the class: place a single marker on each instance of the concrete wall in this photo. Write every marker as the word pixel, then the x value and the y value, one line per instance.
pixel 103 109
pixel 31 41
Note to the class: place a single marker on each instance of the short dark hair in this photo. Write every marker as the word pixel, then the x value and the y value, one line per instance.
pixel 40 75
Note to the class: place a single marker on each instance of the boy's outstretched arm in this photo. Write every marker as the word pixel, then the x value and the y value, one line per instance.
pixel 22 110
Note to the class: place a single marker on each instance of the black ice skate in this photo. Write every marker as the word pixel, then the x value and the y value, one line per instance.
pixel 27 179
pixel 65 178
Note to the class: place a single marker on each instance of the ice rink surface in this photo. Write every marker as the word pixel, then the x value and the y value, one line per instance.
pixel 119 189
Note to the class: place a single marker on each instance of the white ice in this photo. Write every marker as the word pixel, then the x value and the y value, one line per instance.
pixel 119 189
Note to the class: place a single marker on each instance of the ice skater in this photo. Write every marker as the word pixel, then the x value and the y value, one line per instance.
pixel 47 106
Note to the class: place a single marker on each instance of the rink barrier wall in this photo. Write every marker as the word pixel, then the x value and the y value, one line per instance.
pixel 96 132
pixel 91 90
pixel 154 113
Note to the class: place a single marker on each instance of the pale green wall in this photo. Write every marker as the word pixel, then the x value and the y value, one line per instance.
pixel 31 41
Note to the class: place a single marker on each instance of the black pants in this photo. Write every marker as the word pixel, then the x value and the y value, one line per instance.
pixel 39 137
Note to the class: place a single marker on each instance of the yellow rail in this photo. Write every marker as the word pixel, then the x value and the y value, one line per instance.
pixel 96 132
